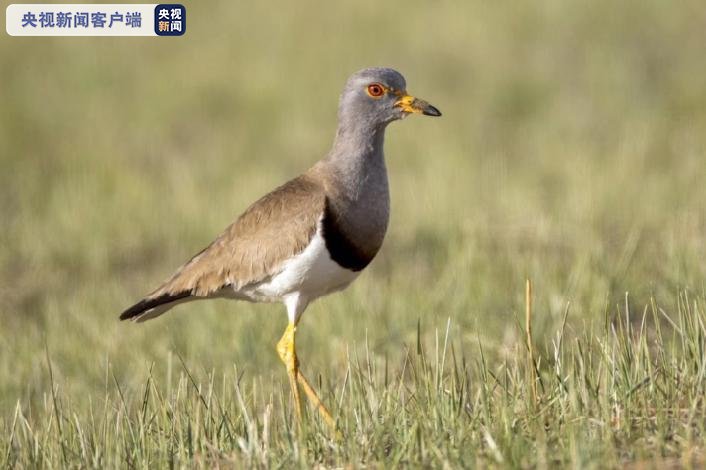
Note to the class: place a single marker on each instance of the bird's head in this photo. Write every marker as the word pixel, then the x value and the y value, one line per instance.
pixel 379 96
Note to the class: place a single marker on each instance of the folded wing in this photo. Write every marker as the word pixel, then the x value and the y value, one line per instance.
pixel 252 249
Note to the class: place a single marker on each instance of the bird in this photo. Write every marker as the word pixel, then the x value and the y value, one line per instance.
pixel 311 236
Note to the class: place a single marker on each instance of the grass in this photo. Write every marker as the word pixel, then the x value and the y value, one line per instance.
pixel 570 153
pixel 614 392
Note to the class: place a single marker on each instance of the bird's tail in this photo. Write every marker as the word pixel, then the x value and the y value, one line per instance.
pixel 152 307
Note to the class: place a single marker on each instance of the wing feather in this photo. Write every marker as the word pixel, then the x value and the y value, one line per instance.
pixel 252 249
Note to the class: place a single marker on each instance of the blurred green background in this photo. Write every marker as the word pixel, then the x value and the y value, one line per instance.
pixel 571 151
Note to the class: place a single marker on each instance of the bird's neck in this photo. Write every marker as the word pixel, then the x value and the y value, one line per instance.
pixel 358 188
pixel 356 167
pixel 358 149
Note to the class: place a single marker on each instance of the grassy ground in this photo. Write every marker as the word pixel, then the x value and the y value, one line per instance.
pixel 570 152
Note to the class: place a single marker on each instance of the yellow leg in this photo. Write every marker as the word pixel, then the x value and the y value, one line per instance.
pixel 316 401
pixel 288 354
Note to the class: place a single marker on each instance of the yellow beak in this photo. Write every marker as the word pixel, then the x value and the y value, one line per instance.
pixel 410 104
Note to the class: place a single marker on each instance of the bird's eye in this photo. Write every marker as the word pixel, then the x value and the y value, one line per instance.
pixel 376 90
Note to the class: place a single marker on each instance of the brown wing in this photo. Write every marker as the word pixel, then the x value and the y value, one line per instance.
pixel 252 249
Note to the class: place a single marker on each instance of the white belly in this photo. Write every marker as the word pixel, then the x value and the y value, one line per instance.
pixel 308 275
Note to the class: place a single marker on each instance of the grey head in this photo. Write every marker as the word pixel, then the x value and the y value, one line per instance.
pixel 376 96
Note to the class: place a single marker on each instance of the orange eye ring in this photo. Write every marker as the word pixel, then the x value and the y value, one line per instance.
pixel 376 90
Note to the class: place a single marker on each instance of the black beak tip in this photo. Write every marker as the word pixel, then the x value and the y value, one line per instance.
pixel 431 111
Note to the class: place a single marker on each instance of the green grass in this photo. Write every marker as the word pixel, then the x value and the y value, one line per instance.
pixel 570 152
pixel 614 392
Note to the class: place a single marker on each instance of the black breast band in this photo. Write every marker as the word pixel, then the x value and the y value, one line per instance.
pixel 342 250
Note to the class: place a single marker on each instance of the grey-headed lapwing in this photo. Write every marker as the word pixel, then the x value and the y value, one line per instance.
pixel 311 236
